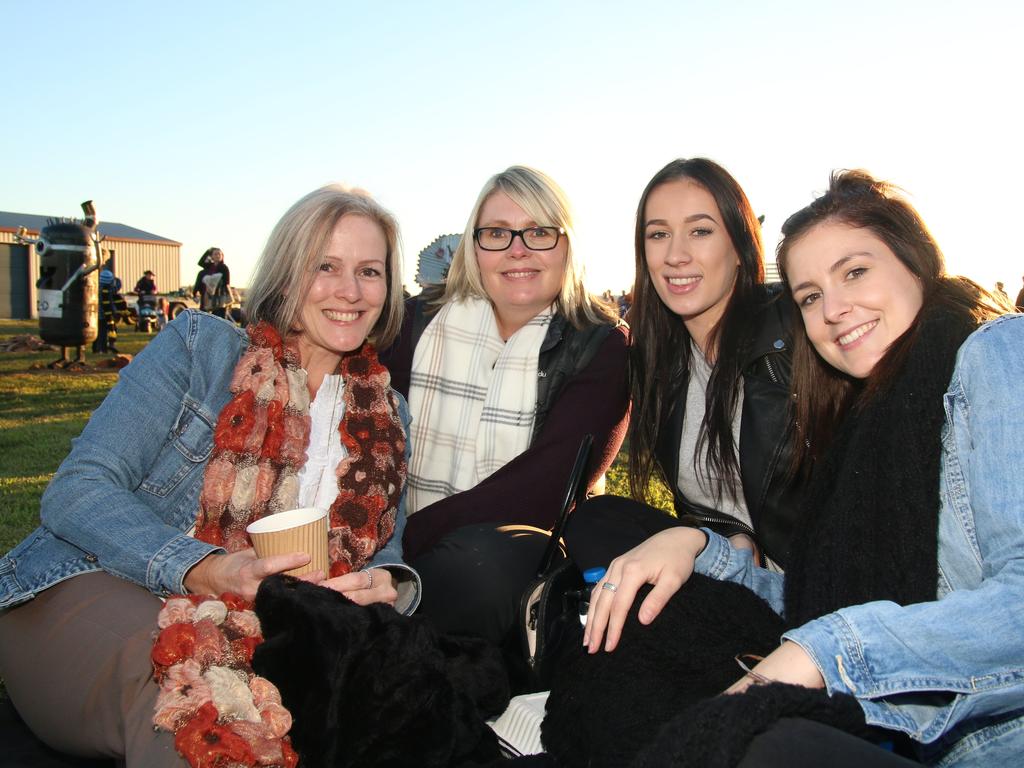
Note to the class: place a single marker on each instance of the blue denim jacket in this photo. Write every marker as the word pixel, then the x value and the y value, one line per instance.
pixel 949 673
pixel 125 497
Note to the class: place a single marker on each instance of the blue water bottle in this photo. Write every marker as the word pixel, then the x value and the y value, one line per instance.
pixel 590 576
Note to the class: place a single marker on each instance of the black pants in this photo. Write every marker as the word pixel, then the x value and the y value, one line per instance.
pixel 799 743
pixel 474 578
pixel 605 527
pixel 106 337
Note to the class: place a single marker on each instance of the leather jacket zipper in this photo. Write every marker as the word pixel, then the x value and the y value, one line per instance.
pixel 723 520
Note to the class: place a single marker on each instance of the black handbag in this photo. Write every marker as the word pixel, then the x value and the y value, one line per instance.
pixel 549 612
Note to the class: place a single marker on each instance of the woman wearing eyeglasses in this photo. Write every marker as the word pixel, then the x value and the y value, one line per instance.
pixel 505 372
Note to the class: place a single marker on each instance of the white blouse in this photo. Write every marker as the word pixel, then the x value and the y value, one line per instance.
pixel 318 483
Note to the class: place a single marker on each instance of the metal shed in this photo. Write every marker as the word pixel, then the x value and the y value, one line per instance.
pixel 132 250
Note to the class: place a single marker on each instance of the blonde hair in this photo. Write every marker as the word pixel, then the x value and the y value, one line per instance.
pixel 543 201
pixel 287 267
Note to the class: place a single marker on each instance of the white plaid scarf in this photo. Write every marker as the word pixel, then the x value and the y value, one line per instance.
pixel 473 398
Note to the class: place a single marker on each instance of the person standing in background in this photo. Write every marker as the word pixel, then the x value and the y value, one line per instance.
pixel 212 286
pixel 1020 298
pixel 1000 291
pixel 109 305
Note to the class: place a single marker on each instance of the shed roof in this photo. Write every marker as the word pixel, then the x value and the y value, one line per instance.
pixel 10 222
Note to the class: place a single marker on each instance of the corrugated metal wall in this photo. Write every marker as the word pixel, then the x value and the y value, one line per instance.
pixel 33 272
pixel 131 259
pixel 14 291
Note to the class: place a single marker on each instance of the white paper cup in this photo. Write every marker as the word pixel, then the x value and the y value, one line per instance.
pixel 297 530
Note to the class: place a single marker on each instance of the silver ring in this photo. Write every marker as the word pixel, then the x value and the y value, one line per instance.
pixel 369 573
pixel 609 586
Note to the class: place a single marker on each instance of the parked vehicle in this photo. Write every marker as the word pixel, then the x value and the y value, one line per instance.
pixel 177 304
pixel 146 313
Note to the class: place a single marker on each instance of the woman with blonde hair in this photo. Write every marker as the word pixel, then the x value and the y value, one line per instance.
pixel 506 368
pixel 209 429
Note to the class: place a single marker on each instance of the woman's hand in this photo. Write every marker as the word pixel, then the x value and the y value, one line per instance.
pixel 373 585
pixel 664 560
pixel 789 663
pixel 743 541
pixel 238 572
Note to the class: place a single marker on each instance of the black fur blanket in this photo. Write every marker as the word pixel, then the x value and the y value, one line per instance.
pixel 370 688
pixel 653 702
pixel 604 708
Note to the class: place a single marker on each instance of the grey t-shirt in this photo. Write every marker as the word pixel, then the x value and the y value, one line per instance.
pixel 692 479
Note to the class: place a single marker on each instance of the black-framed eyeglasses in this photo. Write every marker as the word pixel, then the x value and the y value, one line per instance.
pixel 534 238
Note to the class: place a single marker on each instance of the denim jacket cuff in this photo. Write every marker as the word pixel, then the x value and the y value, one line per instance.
pixel 166 573
pixel 714 560
pixel 835 651
pixel 834 645
pixel 407 583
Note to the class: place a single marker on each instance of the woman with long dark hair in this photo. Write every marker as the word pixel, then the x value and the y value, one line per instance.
pixel 709 377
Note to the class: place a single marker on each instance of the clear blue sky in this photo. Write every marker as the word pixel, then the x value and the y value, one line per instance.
pixel 203 122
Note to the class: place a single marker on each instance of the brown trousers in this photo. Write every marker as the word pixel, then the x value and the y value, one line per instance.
pixel 75 661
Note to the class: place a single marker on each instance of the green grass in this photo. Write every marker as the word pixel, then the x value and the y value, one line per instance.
pixel 41 410
pixel 617 484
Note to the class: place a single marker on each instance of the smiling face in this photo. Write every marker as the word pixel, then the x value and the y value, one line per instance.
pixel 520 282
pixel 347 294
pixel 855 295
pixel 690 256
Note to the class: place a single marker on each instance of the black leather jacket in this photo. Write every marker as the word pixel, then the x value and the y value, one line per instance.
pixel 564 352
pixel 772 497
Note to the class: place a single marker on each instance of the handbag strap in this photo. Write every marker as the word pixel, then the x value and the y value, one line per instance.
pixel 575 493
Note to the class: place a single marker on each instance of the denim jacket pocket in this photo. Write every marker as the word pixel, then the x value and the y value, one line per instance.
pixel 189 445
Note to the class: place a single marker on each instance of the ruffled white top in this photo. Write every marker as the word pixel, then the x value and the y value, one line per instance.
pixel 318 483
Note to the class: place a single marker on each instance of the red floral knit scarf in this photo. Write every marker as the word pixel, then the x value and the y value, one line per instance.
pixel 220 711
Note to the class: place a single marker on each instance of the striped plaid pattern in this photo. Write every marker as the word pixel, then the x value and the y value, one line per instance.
pixel 473 399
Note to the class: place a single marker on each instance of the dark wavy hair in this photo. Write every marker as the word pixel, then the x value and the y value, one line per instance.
pixel 660 353
pixel 822 394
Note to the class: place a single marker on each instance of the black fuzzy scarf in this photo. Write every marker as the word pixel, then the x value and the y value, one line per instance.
pixel 869 521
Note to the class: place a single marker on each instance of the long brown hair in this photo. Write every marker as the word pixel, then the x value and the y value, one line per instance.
pixel 660 353
pixel 822 394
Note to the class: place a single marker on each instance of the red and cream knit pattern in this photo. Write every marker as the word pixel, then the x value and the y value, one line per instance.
pixel 221 712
